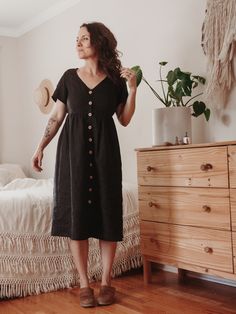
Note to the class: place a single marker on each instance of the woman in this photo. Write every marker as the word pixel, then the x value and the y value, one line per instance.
pixel 88 180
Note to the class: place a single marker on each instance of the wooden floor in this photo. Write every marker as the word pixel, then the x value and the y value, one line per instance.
pixel 165 295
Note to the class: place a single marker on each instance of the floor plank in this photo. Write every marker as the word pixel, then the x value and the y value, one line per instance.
pixel 165 295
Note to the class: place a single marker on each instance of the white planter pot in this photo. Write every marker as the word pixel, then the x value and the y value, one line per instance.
pixel 169 123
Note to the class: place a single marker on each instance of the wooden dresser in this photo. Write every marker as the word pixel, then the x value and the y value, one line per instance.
pixel 187 203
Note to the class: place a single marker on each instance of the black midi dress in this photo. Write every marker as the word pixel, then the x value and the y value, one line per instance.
pixel 87 197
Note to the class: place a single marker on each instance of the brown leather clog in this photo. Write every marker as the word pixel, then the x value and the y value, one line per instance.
pixel 106 295
pixel 87 298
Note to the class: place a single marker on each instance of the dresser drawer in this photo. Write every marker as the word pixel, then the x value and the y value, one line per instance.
pixel 197 246
pixel 232 165
pixel 196 167
pixel 186 206
pixel 234 250
pixel 233 208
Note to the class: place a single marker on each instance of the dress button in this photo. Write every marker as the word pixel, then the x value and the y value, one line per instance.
pixel 90 139
pixel 90 102
pixel 90 127
pixel 90 177
pixel 90 152
pixel 90 189
pixel 89 201
pixel 90 164
pixel 90 92
pixel 90 114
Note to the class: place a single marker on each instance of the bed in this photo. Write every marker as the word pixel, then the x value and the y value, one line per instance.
pixel 32 261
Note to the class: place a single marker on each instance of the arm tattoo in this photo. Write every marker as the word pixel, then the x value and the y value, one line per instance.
pixel 49 127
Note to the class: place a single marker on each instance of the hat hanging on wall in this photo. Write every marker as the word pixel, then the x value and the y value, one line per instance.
pixel 42 96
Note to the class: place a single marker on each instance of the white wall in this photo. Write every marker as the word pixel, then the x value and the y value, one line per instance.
pixel 147 32
pixel 10 106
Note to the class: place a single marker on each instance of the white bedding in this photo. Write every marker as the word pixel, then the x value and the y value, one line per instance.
pixel 27 202
pixel 31 261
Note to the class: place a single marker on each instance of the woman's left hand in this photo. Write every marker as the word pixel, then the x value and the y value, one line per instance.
pixel 130 76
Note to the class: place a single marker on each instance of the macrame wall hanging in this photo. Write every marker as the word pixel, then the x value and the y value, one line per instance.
pixel 218 43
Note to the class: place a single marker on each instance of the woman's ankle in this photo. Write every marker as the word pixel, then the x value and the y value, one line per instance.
pixel 84 284
pixel 106 282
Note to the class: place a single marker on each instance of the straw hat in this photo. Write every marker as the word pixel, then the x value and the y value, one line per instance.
pixel 42 96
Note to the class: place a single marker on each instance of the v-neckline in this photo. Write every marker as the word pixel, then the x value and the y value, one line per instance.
pixel 76 73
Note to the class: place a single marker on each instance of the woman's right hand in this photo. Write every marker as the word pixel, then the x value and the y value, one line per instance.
pixel 56 118
pixel 37 160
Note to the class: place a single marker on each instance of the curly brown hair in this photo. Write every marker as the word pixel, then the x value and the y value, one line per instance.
pixel 105 43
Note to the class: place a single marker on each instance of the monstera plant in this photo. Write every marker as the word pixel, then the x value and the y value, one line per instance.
pixel 177 89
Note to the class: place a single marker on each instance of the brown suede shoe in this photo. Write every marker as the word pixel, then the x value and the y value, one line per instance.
pixel 87 298
pixel 106 295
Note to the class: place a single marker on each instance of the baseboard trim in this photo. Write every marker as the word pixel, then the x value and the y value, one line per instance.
pixel 192 274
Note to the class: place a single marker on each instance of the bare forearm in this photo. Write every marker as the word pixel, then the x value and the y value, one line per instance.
pixel 50 131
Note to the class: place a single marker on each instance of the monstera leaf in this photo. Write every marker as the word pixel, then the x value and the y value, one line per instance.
pixel 138 72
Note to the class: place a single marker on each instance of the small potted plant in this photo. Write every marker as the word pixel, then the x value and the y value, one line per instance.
pixel 177 95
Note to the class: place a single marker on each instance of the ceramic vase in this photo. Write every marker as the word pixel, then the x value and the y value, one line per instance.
pixel 170 125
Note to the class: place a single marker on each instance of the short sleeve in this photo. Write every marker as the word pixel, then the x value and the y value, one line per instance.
pixel 122 92
pixel 61 91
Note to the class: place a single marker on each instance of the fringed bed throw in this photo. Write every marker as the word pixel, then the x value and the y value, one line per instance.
pixel 218 42
pixel 32 264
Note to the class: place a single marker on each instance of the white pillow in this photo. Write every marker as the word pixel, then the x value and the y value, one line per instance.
pixel 10 172
pixel 4 177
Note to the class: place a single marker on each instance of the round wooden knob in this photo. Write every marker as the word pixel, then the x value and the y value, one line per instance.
pixel 155 241
pixel 208 249
pixel 149 168
pixel 206 167
pixel 151 204
pixel 206 208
